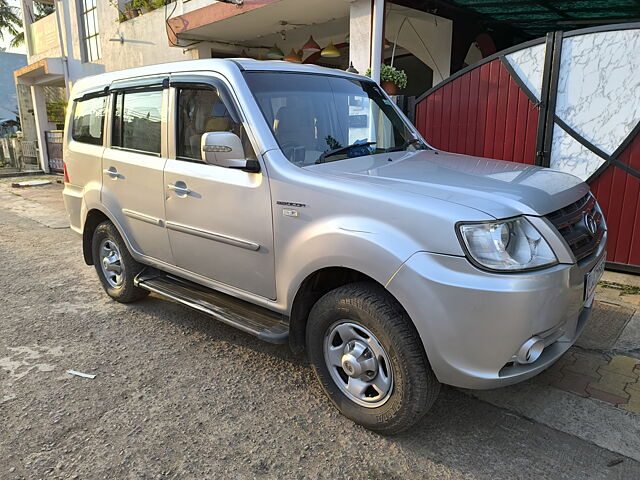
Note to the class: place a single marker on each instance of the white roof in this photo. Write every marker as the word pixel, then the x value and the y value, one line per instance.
pixel 97 82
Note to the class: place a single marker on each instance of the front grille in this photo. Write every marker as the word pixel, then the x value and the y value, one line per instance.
pixel 570 222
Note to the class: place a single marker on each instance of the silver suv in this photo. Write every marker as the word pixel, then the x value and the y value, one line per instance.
pixel 298 204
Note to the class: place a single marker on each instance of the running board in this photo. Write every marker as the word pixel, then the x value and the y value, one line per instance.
pixel 258 321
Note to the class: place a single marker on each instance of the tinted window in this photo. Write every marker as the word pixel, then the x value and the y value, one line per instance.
pixel 201 111
pixel 88 120
pixel 136 125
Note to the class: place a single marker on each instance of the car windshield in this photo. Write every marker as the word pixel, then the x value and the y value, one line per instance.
pixel 323 118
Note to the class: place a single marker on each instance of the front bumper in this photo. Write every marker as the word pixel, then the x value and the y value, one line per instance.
pixel 472 322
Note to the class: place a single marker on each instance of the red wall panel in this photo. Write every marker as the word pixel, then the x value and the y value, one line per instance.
pixel 618 194
pixel 482 113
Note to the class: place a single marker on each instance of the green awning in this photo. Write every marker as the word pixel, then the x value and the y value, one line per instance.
pixel 536 17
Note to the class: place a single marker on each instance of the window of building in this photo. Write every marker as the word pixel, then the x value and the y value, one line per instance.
pixel 137 120
pixel 90 30
pixel 88 120
pixel 201 111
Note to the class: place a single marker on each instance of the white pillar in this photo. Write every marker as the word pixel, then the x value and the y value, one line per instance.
pixel 42 124
pixel 27 19
pixel 65 42
pixel 377 38
pixel 360 12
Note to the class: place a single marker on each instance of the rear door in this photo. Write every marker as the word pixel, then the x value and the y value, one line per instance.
pixel 133 164
pixel 83 151
pixel 218 219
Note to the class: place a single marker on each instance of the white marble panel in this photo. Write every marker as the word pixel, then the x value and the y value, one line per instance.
pixel 599 88
pixel 570 156
pixel 528 63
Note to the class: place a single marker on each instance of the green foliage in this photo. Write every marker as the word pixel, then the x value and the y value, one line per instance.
pixel 391 74
pixel 157 3
pixel 332 142
pixel 56 111
pixel 624 289
pixel 140 4
pixel 148 5
pixel 10 22
pixel 43 9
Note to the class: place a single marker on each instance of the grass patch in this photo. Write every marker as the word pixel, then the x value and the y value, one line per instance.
pixel 624 289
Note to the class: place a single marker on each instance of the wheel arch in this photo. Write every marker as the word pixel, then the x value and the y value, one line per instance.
pixel 312 288
pixel 93 218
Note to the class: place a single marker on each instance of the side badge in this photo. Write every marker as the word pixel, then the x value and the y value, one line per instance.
pixel 289 212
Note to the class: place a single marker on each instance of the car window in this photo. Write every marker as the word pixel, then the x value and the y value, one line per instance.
pixel 313 115
pixel 202 110
pixel 88 120
pixel 137 120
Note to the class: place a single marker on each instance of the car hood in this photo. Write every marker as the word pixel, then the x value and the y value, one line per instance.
pixel 500 189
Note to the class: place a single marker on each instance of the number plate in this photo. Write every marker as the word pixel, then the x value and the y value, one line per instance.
pixel 593 277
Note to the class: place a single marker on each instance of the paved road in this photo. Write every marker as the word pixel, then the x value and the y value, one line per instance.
pixel 177 395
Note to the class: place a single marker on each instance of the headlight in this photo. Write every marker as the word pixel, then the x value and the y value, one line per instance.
pixel 510 245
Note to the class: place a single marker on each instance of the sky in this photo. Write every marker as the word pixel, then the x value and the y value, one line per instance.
pixel 4 43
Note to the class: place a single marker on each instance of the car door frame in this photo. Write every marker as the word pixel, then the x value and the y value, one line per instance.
pixel 229 97
pixel 123 217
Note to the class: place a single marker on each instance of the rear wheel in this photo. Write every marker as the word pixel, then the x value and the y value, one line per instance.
pixel 369 358
pixel 114 265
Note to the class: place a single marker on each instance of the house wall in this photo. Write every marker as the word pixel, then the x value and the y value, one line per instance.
pixel 144 39
pixel 426 36
pixel 138 41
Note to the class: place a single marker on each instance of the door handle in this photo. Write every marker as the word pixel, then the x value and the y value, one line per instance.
pixel 180 191
pixel 112 172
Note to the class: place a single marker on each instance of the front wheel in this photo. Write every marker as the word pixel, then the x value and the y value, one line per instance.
pixel 369 358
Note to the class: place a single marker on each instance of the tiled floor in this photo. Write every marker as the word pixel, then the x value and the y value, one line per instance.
pixel 612 379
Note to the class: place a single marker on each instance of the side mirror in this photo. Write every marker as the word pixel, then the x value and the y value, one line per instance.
pixel 225 149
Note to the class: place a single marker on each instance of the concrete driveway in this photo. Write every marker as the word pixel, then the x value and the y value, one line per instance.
pixel 178 395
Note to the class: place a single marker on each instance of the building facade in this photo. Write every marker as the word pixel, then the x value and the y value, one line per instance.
pixel 428 39
pixel 86 37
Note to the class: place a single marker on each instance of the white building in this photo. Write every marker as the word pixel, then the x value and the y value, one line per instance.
pixel 85 37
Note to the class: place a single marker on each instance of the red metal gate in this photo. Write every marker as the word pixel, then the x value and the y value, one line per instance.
pixel 482 112
pixel 506 108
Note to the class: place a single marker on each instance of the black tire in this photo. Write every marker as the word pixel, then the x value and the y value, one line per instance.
pixel 126 291
pixel 415 386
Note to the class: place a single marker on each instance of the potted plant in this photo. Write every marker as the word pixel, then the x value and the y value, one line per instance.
pixel 141 6
pixel 145 6
pixel 392 80
pixel 130 11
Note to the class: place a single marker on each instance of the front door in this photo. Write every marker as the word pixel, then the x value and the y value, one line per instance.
pixel 132 169
pixel 218 219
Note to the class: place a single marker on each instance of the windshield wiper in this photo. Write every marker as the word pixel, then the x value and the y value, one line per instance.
pixel 406 145
pixel 336 151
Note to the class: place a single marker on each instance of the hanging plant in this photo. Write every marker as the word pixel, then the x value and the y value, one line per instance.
pixel 391 79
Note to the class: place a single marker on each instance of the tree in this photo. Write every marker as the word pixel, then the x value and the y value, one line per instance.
pixel 10 23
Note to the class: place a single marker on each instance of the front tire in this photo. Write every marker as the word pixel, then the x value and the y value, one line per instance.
pixel 114 265
pixel 369 358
